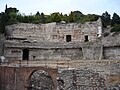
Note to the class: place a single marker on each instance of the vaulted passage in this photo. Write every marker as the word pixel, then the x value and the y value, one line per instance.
pixel 40 80
pixel 25 54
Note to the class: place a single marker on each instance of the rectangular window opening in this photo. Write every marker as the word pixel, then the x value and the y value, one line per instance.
pixel 86 38
pixel 68 38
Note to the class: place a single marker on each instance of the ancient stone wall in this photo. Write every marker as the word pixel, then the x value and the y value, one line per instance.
pixel 2 38
pixel 53 51
pixel 78 79
pixel 112 39
pixel 112 53
pixel 53 40
pixel 40 54
pixel 111 44
pixel 92 52
pixel 56 32
pixel 26 31
pixel 100 75
pixel 56 54
pixel 13 54
pixel 61 41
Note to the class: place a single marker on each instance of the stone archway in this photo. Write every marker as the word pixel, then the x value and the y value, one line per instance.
pixel 78 79
pixel 40 80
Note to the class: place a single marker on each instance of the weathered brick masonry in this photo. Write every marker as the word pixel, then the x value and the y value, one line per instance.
pixel 17 78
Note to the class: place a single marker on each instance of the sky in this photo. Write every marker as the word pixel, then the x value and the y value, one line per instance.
pixel 65 6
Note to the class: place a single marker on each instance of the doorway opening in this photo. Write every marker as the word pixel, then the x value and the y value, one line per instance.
pixel 68 38
pixel 25 54
pixel 86 38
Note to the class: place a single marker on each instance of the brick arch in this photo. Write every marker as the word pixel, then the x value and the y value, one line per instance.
pixel 51 72
pixel 18 77
pixel 33 71
pixel 40 79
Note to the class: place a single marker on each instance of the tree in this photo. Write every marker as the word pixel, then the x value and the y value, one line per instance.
pixel 78 16
pixel 65 18
pixel 11 15
pixel 32 19
pixel 12 18
pixel 11 10
pixel 61 15
pixel 20 18
pixel 106 19
pixel 115 19
pixel 37 14
pixel 48 19
pixel 93 17
pixel 26 19
pixel 3 21
pixel 71 17
pixel 43 18
pixel 56 17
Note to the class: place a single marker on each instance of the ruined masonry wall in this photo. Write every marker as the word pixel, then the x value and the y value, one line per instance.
pixel 13 54
pixel 53 32
pixel 112 53
pixel 91 75
pixel 56 53
pixel 2 38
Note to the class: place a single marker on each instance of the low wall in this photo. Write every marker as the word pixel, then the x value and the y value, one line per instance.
pixel 57 51
pixel 112 53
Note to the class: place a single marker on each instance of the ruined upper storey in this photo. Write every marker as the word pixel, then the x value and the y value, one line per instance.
pixel 55 32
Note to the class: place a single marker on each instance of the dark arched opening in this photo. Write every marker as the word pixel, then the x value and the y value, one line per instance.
pixel 40 80
pixel 25 55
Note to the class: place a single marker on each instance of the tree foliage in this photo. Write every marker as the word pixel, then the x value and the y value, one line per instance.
pixel 116 28
pixel 115 19
pixel 71 17
pixel 43 18
pixel 56 17
pixel 12 16
pixel 115 23
pixel 78 16
pixel 3 21
pixel 106 19
pixel 7 18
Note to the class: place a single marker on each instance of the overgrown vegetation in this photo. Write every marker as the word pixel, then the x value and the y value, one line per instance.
pixel 116 28
pixel 12 16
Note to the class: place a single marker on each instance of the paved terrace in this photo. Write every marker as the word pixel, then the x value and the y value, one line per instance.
pixel 61 63
pixel 48 45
